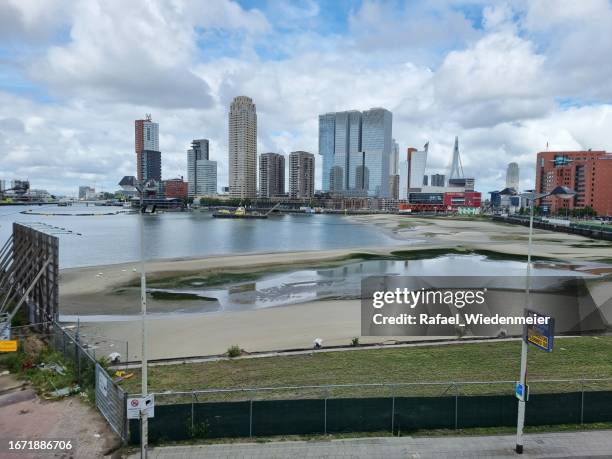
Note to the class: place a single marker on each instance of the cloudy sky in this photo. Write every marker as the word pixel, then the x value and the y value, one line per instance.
pixel 506 77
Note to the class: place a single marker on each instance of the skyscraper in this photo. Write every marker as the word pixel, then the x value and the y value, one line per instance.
pixel 151 167
pixel 201 172
pixel 394 158
pixel 393 171
pixel 376 143
pixel 362 146
pixel 347 142
pixel 146 138
pixel 512 176
pixel 327 141
pixel 301 174
pixel 417 162
pixel 403 178
pixel 271 175
pixel 243 148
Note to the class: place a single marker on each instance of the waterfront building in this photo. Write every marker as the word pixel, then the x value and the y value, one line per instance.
pixel 466 183
pixel 271 175
pixel 301 174
pixel 201 171
pixel 512 176
pixel 588 173
pixel 394 158
pixel 327 141
pixel 86 193
pixel 402 170
pixel 242 166
pixel 417 162
pixel 393 170
pixel 438 179
pixel 146 138
pixel 176 188
pixel 359 163
pixel 151 167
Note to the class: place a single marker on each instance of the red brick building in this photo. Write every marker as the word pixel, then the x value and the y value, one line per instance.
pixel 176 188
pixel 588 173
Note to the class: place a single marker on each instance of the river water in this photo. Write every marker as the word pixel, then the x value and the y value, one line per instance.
pixel 105 239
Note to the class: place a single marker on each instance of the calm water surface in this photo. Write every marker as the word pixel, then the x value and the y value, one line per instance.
pixel 107 239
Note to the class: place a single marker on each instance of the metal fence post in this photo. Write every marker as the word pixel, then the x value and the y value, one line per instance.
pixel 192 410
pixel 392 412
pixel 582 402
pixel 456 404
pixel 126 422
pixel 325 416
pixel 251 417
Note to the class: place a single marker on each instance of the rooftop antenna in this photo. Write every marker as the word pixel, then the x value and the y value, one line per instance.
pixel 456 170
pixel 148 116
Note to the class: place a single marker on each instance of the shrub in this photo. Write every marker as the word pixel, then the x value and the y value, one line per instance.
pixel 234 351
pixel 355 341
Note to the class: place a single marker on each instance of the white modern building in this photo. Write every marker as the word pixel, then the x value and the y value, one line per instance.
pixel 417 163
pixel 87 193
pixel 394 158
pixel 242 166
pixel 201 171
pixel 402 170
pixel 512 176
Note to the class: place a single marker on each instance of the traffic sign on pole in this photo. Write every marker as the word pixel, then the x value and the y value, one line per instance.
pixel 137 404
pixel 540 334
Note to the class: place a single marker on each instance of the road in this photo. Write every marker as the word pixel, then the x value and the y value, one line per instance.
pixel 558 445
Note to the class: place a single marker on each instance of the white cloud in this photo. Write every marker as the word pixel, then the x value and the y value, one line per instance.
pixel 500 78
pixel 497 88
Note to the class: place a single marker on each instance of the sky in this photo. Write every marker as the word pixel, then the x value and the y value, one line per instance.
pixel 508 78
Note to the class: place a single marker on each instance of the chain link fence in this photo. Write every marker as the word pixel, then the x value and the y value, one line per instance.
pixel 110 398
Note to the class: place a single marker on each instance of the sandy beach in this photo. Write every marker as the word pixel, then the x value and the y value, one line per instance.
pixel 112 289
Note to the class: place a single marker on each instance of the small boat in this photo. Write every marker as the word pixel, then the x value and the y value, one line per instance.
pixel 240 212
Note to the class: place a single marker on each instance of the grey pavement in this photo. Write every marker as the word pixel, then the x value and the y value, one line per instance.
pixel 553 445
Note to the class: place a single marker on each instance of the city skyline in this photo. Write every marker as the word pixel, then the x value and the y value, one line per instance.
pixel 501 83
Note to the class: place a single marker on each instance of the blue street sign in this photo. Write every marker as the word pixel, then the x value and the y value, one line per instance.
pixel 521 392
pixel 540 334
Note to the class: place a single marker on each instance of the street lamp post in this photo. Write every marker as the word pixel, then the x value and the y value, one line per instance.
pixel 564 193
pixel 131 183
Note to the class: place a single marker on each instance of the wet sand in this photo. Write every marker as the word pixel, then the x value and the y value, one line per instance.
pixel 101 289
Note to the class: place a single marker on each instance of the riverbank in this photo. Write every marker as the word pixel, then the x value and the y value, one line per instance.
pixel 109 289
pixel 113 289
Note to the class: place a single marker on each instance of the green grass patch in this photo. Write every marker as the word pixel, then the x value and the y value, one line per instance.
pixel 43 380
pixel 573 358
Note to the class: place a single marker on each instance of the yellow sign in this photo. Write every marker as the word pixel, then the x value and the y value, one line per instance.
pixel 8 346
pixel 538 340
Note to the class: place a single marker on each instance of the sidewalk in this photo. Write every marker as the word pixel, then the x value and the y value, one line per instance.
pixel 557 445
